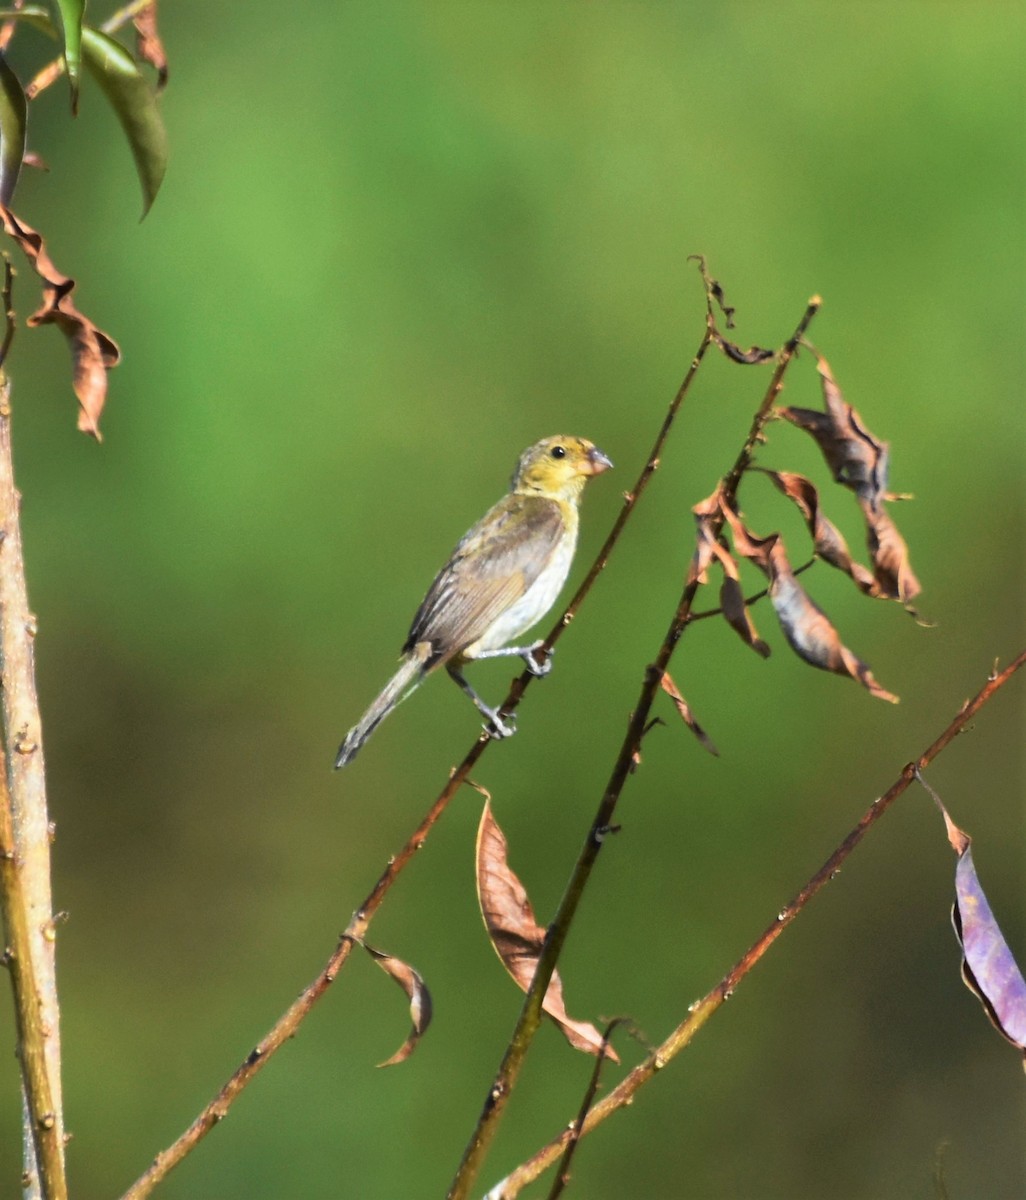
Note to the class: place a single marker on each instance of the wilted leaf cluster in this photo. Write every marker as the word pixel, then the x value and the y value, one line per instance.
pixel 133 100
pixel 858 461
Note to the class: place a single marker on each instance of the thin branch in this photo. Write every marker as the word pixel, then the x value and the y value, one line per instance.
pixel 574 1132
pixel 25 844
pixel 286 1026
pixel 531 1011
pixel 623 1094
pixel 9 321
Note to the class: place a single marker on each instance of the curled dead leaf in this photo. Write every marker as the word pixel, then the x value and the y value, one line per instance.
pixel 828 541
pixel 752 356
pixel 706 511
pixel 93 352
pixel 893 573
pixel 417 993
pixel 811 634
pixel 709 548
pixel 857 459
pixel 517 937
pixel 148 44
pixel 808 629
pixel 714 293
pixel 687 716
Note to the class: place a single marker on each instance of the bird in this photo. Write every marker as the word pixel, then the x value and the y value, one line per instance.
pixel 503 576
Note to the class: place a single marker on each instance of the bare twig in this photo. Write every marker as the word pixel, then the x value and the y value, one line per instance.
pixel 288 1023
pixel 699 1013
pixel 574 1132
pixel 9 322
pixel 25 845
pixel 531 1011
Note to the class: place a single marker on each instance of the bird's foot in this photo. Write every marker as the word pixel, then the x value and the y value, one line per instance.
pixel 500 726
pixel 539 668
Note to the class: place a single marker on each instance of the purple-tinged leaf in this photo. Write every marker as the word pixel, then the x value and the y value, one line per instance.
pixel 988 967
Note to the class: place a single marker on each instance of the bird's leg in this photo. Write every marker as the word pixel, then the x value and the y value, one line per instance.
pixel 536 668
pixel 500 727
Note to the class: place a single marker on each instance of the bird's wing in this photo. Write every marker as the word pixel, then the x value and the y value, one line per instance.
pixel 492 567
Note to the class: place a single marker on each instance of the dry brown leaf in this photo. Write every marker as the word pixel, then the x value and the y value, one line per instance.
pixel 8 29
pixel 732 600
pixel 749 357
pixel 808 629
pixel 857 459
pixel 516 935
pixel 93 353
pixel 894 576
pixel 148 45
pixel 739 616
pixel 713 290
pixel 688 717
pixel 705 543
pixel 44 78
pixel 417 993
pixel 827 539
pixel 860 461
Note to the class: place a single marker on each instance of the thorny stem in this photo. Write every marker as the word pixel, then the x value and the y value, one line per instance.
pixel 623 1094
pixel 286 1025
pixel 531 1011
pixel 25 900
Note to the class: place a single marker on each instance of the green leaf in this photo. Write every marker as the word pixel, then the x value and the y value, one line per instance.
pixel 131 97
pixel 70 13
pixel 33 14
pixel 13 109
pixel 135 104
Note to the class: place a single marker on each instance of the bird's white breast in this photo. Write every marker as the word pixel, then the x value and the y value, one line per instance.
pixel 536 601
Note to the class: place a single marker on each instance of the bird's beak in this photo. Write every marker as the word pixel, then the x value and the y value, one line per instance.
pixel 597 462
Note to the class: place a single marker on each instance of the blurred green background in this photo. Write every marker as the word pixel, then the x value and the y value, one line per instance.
pixel 397 244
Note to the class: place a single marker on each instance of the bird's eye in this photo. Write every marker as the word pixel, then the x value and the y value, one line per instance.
pixel 558 452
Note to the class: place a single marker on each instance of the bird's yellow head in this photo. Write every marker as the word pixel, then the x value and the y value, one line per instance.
pixel 558 467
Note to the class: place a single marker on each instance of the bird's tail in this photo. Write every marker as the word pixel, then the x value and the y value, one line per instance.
pixel 410 673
